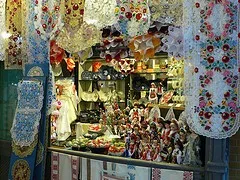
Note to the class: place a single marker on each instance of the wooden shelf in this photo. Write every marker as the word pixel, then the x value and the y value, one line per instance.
pixel 165 106
pixel 101 80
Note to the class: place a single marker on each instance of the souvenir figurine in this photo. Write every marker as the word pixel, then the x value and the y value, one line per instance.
pixel 177 152
pixel 146 153
pixel 166 152
pixel 160 90
pixel 174 135
pixel 156 151
pixel 191 152
pixel 166 132
pixel 160 126
pixel 144 134
pixel 153 94
pixel 135 113
pixel 153 131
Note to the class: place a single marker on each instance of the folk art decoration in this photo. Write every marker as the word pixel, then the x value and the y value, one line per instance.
pixel 212 67
pixel 14 34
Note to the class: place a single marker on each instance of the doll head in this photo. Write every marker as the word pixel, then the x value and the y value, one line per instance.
pixel 174 125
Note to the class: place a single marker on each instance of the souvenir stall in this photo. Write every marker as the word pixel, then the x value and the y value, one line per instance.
pixel 123 89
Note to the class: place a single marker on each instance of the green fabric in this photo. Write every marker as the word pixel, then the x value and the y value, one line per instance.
pixel 8 99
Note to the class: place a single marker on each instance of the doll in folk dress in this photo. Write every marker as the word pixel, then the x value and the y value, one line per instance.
pixel 153 94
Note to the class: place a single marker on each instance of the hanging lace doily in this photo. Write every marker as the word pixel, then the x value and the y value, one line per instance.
pixel 37 48
pixel 133 17
pixel 144 47
pixel 173 42
pixel 28 112
pixel 2 29
pixel 167 11
pixel 100 13
pixel 14 22
pixel 47 19
pixel 211 46
pixel 85 37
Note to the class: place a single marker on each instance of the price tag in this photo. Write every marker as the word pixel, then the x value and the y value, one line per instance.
pixel 178 105
pixel 171 104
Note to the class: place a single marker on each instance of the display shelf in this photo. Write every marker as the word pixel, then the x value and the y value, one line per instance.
pixel 148 72
pixel 165 106
pixel 122 160
pixel 99 101
pixel 83 80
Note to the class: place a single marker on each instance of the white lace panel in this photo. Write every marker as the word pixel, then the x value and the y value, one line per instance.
pixel 211 46
pixel 100 12
pixel 28 112
pixel 2 29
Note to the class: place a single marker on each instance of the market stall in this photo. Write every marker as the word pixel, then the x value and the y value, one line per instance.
pixel 128 86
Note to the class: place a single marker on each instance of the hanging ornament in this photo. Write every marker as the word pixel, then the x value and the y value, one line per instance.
pixel 100 13
pixel 133 17
pixel 211 47
pixel 173 42
pixel 144 47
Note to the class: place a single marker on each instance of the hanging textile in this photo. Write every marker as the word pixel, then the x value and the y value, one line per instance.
pixel 133 17
pixel 14 44
pixel 64 166
pixel 77 35
pixel 166 11
pixel 165 174
pixel 48 21
pixel 2 29
pixel 28 112
pixel 100 12
pixel 211 66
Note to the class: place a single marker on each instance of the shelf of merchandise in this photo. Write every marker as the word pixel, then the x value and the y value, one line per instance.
pixel 87 85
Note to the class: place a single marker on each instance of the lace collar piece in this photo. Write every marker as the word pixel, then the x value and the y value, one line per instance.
pixel 211 67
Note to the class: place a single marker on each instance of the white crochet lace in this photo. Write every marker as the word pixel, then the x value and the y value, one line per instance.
pixel 100 12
